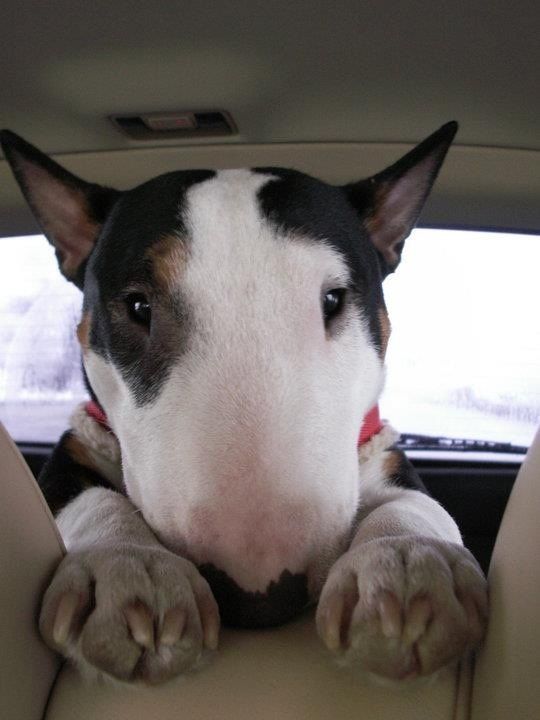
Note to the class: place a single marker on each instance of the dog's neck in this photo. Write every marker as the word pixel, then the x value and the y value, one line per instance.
pixel 371 426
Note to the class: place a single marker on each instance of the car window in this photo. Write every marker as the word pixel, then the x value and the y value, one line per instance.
pixel 462 361
pixel 464 355
pixel 40 373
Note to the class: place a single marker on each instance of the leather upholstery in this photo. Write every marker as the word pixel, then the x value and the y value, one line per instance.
pixel 507 675
pixel 30 549
pixel 275 674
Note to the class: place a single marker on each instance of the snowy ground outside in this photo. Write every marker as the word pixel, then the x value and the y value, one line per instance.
pixel 463 360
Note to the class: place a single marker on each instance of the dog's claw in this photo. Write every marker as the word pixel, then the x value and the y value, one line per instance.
pixel 418 617
pixel 330 625
pixel 64 617
pixel 333 620
pixel 209 613
pixel 390 615
pixel 475 617
pixel 174 624
pixel 140 623
pixel 211 633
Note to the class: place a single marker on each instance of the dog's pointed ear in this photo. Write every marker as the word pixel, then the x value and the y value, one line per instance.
pixel 69 210
pixel 390 202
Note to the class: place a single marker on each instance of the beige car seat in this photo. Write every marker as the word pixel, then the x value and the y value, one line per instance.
pixel 279 674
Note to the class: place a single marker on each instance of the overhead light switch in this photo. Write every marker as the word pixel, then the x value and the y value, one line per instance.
pixel 166 125
pixel 160 122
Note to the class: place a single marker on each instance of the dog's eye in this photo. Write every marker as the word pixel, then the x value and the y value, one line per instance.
pixel 332 303
pixel 139 309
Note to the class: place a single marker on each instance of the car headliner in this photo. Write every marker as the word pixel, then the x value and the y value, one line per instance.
pixel 337 89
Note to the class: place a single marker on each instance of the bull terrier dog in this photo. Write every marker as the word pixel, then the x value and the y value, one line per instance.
pixel 231 462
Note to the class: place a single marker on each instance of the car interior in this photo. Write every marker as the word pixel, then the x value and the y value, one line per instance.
pixel 119 92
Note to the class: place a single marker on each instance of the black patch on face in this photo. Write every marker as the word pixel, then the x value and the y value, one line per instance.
pixel 120 266
pixel 282 601
pixel 299 203
pixel 62 479
pixel 405 475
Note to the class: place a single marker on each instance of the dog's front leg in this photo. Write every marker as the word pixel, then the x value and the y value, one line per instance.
pixel 406 598
pixel 120 604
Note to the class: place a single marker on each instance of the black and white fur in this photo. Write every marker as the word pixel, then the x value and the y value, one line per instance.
pixel 233 332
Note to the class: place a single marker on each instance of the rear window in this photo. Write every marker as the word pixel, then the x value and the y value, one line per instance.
pixel 40 371
pixel 462 361
pixel 464 356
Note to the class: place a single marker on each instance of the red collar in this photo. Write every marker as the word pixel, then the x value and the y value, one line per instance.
pixel 371 426
pixel 96 412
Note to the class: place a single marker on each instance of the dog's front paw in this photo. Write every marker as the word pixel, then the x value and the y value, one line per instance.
pixel 403 606
pixel 131 613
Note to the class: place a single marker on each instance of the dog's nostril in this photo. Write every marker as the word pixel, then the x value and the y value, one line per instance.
pixel 282 601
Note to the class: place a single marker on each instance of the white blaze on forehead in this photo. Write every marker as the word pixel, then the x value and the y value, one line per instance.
pixel 246 275
pixel 252 460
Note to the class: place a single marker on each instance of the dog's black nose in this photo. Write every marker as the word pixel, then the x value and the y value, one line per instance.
pixel 282 601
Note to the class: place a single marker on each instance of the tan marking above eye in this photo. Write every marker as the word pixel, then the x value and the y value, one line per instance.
pixel 386 328
pixel 83 331
pixel 169 259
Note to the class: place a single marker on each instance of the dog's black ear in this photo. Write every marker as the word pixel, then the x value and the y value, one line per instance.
pixel 390 202
pixel 70 211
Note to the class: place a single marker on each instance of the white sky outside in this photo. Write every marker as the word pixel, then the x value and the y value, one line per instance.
pixel 463 360
pixel 464 355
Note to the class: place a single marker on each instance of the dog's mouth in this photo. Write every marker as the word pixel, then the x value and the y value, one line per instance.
pixel 282 601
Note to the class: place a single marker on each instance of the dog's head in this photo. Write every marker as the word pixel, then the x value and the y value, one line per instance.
pixel 234 331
